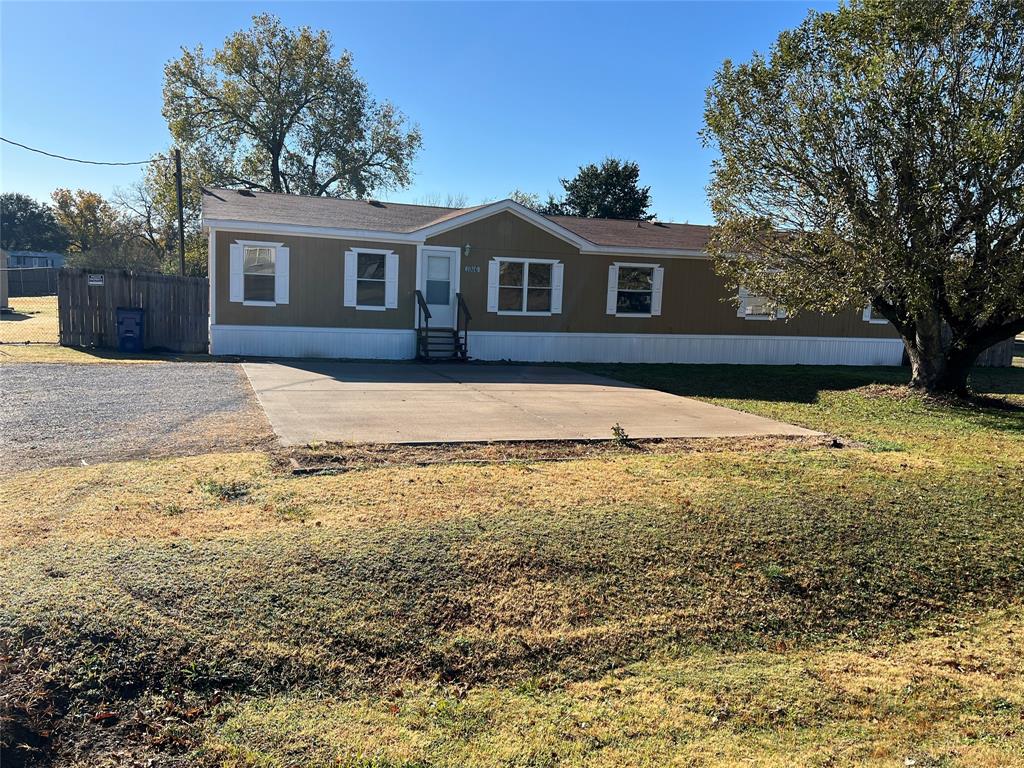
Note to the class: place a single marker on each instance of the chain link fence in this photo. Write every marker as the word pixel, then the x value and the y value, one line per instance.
pixel 28 305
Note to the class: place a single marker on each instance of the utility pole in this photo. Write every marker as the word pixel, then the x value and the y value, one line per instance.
pixel 181 212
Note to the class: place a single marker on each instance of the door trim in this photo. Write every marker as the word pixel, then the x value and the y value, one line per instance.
pixel 454 251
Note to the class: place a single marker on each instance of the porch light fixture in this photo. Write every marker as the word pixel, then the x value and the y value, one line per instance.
pixel 466 249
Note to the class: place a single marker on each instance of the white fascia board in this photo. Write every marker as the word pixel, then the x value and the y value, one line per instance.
pixel 669 253
pixel 339 233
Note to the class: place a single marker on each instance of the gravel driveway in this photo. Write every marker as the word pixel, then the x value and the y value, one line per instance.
pixel 53 414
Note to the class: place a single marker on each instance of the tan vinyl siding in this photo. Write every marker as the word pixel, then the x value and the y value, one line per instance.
pixel 316 276
pixel 695 299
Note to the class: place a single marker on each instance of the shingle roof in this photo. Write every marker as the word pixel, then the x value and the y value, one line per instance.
pixel 401 218
pixel 637 234
pixel 273 208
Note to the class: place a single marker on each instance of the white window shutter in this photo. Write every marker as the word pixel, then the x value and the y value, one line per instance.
pixel 236 283
pixel 556 288
pixel 350 279
pixel 656 290
pixel 281 272
pixel 391 281
pixel 492 286
pixel 741 310
pixel 613 289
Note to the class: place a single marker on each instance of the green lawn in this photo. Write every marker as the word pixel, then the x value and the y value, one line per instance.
pixel 762 602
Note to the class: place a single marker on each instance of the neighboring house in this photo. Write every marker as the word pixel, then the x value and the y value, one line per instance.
pixel 22 259
pixel 296 276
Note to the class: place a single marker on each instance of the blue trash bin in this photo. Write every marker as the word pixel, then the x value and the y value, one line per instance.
pixel 129 329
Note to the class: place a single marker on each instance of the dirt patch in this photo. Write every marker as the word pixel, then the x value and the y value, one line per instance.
pixel 341 457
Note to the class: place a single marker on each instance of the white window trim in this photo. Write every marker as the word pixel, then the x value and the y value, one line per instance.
pixel 385 252
pixel 258 244
pixel 654 272
pixel 867 318
pixel 525 260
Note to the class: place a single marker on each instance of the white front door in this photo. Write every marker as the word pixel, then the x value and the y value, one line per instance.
pixel 439 278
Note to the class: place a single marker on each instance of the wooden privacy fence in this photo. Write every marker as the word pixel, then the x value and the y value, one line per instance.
pixel 176 316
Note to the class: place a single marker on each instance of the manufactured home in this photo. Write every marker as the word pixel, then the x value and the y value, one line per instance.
pixel 294 276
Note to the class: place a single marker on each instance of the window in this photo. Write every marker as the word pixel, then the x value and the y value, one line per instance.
pixel 258 273
pixel 525 286
pixel 635 290
pixel 371 280
pixel 439 284
pixel 870 315
pixel 754 307
pixel 258 270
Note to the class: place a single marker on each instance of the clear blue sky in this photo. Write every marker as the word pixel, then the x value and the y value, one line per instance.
pixel 506 95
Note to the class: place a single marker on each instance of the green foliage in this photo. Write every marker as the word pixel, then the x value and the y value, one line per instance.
pixel 26 224
pixel 104 235
pixel 225 490
pixel 274 109
pixel 89 221
pixel 608 191
pixel 152 205
pixel 620 435
pixel 877 155
pixel 526 199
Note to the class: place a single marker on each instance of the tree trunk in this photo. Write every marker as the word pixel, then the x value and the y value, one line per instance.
pixel 938 371
pixel 939 364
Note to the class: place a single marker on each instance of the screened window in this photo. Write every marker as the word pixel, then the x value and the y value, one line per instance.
pixel 370 279
pixel 258 273
pixel 524 286
pixel 636 291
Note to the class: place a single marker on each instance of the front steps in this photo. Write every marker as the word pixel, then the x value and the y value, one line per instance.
pixel 433 344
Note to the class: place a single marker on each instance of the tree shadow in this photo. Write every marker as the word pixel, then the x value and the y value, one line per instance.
pixel 14 315
pixel 770 383
pixel 795 383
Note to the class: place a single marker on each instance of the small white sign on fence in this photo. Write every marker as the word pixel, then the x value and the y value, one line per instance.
pixel 96 279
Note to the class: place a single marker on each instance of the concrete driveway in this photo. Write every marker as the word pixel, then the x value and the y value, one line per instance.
pixel 416 403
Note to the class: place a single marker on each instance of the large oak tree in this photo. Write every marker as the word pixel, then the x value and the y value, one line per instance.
pixel 274 109
pixel 876 155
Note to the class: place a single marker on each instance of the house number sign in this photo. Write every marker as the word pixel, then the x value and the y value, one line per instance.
pixel 471 268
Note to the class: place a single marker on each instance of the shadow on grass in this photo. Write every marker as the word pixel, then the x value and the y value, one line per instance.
pixel 14 315
pixel 770 383
pixel 792 383
pixel 95 354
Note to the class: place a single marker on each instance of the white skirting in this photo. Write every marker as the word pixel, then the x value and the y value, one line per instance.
pixel 527 347
pixel 678 348
pixel 288 341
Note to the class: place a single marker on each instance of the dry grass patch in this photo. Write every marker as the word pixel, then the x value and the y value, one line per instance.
pixel 952 695
pixel 776 604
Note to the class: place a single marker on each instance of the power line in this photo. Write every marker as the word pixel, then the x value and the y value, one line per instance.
pixel 76 160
